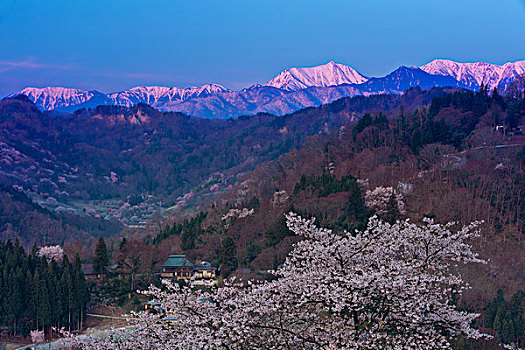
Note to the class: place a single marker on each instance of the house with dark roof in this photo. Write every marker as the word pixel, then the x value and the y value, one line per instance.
pixel 179 268
pixel 90 273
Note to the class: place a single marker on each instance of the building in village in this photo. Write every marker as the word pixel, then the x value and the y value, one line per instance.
pixel 115 270
pixel 153 307
pixel 179 268
pixel 91 274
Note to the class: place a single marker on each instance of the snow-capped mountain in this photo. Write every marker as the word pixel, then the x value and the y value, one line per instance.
pixel 50 98
pixel 279 101
pixel 69 100
pixel 329 74
pixel 474 74
pixel 293 89
pixel 158 95
pixel 404 78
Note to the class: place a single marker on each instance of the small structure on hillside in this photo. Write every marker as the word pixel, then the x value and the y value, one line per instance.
pixel 204 275
pixel 152 307
pixel 179 268
pixel 91 274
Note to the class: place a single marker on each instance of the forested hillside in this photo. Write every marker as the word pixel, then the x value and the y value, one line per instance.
pixel 109 167
pixel 448 155
pixel 37 294
pixel 461 158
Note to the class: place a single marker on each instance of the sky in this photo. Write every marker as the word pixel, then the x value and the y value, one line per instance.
pixel 112 45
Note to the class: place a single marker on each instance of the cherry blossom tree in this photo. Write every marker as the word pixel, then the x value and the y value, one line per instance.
pixel 280 198
pixel 235 213
pixel 379 198
pixel 54 252
pixel 388 287
pixel 37 336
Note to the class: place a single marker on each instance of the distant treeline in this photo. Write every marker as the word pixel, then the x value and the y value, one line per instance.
pixel 190 230
pixel 37 294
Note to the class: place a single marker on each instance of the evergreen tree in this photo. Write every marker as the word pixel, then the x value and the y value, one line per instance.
pixel 80 290
pixel 497 326
pixel 356 214
pixel 188 239
pixel 508 336
pixel 228 255
pixel 123 242
pixel 392 213
pixel 507 318
pixel 277 233
pixel 35 294
pixel 44 305
pixel 521 155
pixel 101 260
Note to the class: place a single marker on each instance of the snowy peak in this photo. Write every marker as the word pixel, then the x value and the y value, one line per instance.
pixel 329 74
pixel 212 88
pixel 476 73
pixel 49 98
pixel 66 99
pixel 292 89
pixel 153 95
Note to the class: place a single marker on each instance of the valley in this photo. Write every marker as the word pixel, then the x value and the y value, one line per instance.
pixel 262 175
pixel 154 184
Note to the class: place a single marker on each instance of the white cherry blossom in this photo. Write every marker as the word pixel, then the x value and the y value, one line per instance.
pixel 388 287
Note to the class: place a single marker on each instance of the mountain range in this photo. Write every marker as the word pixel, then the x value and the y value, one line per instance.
pixel 291 90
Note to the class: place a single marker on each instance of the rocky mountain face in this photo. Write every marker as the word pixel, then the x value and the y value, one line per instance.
pixel 291 90
pixel 60 98
pixel 159 95
pixel 329 74
pixel 472 75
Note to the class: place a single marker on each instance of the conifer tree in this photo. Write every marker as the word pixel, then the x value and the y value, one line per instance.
pixel 32 291
pixel 81 289
pixel 101 260
pixel 228 255
pixel 392 213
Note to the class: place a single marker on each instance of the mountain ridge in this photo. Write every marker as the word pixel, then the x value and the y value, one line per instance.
pixel 325 75
pixel 291 90
pixel 473 74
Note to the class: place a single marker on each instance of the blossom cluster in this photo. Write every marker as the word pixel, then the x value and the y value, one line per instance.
pixel 387 287
pixel 37 336
pixel 379 197
pixel 54 252
pixel 235 213
pixel 280 198
pixel 238 214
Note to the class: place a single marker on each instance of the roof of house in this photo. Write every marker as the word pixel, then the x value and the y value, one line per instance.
pixel 177 261
pixel 89 269
pixel 202 268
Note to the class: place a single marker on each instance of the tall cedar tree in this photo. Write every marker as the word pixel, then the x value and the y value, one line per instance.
pixel 228 256
pixel 101 260
pixel 392 213
pixel 36 294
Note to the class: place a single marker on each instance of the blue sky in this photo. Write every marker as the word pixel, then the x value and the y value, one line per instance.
pixel 113 45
